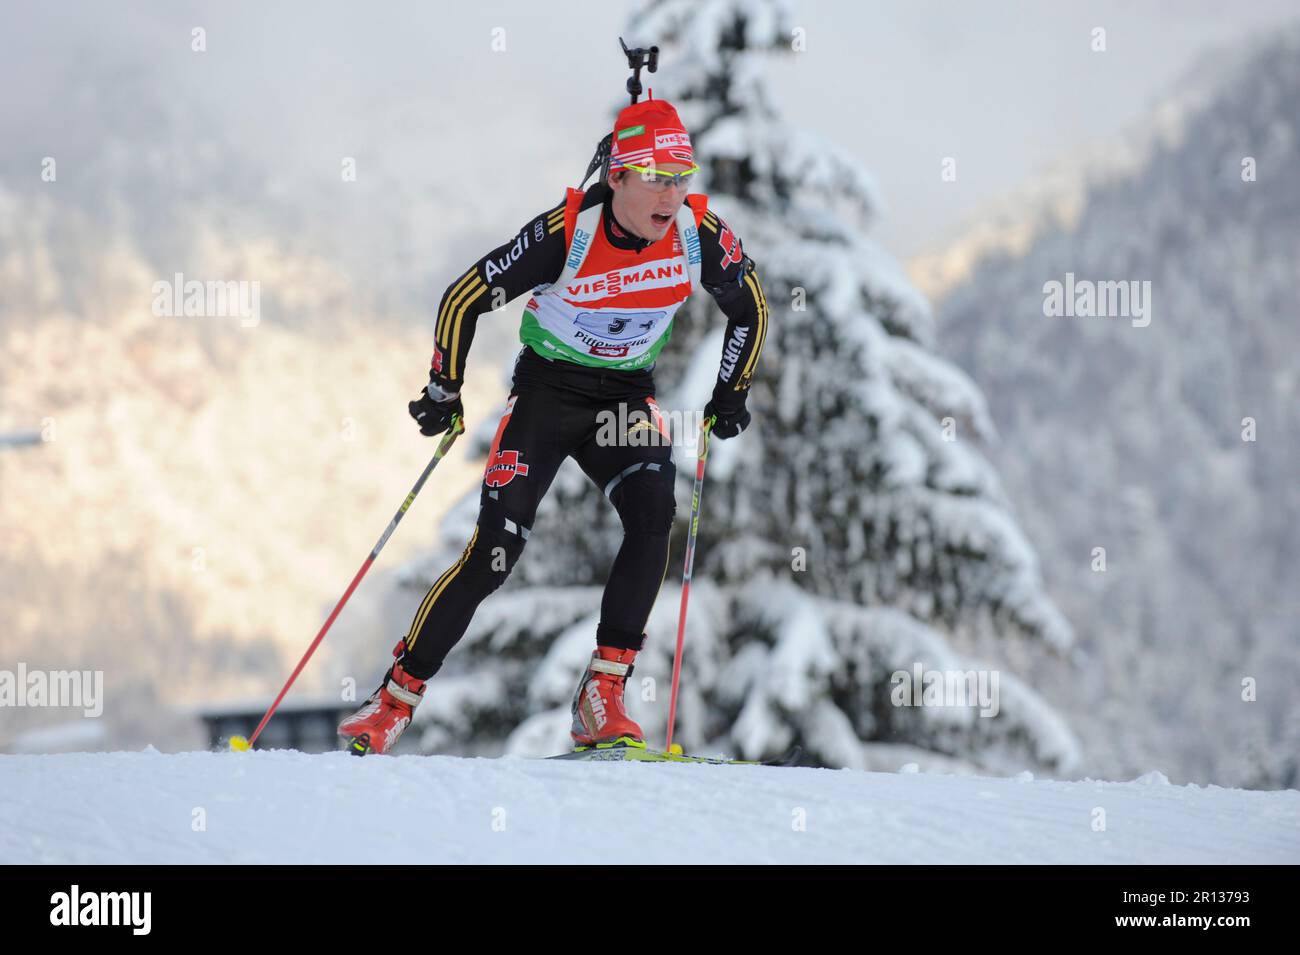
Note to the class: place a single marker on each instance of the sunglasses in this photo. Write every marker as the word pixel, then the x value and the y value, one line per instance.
pixel 663 180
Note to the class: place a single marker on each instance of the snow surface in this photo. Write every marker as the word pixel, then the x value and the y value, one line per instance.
pixel 288 807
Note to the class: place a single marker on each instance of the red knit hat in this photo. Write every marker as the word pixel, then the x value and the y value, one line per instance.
pixel 649 133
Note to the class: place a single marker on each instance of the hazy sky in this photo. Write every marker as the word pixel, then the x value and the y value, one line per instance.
pixel 415 90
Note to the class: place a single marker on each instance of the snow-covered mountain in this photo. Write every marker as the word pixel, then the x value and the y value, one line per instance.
pixel 288 808
pixel 1006 225
pixel 206 484
pixel 1173 445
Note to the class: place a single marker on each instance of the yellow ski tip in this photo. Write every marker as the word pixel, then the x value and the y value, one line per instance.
pixel 239 744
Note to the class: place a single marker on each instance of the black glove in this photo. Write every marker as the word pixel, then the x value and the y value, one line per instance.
pixel 433 415
pixel 732 418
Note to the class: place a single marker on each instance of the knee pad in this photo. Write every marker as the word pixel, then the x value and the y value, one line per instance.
pixel 644 497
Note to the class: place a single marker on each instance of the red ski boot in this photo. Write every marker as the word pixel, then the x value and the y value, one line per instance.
pixel 376 726
pixel 599 719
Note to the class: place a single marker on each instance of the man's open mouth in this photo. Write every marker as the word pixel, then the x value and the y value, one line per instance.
pixel 661 218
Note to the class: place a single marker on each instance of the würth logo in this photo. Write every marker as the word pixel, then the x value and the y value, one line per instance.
pixel 503 467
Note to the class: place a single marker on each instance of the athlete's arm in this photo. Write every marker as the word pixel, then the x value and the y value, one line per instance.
pixel 533 257
pixel 730 277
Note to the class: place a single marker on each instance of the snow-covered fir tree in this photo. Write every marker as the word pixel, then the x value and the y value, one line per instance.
pixel 846 537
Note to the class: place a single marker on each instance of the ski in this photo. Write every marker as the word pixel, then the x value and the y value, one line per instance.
pixel 618 752
pixel 638 754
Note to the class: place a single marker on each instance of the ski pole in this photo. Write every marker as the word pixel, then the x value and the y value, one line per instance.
pixel 239 743
pixel 686 574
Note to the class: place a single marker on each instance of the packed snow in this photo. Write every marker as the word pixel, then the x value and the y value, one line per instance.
pixel 288 807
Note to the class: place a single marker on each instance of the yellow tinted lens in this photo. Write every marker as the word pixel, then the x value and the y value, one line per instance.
pixel 663 179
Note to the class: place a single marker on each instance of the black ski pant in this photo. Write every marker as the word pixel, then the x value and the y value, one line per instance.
pixel 555 411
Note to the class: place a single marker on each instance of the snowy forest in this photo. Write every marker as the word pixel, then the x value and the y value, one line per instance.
pixel 1174 446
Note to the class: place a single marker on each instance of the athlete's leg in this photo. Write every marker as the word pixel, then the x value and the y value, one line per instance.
pixel 636 474
pixel 527 451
